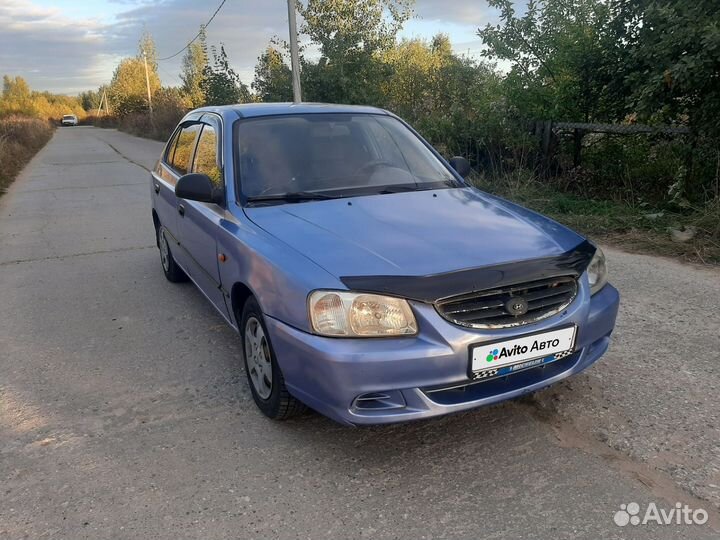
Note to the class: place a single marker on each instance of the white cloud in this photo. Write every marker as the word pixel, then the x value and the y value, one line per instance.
pixel 470 12
pixel 50 50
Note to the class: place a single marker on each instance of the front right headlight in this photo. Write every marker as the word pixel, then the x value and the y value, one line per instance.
pixel 597 272
pixel 349 314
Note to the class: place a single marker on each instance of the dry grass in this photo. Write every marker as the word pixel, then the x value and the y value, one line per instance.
pixel 20 139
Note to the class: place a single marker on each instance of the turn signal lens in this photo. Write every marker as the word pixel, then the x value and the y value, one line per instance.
pixel 340 313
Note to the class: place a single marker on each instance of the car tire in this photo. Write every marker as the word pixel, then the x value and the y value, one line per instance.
pixel 170 268
pixel 266 381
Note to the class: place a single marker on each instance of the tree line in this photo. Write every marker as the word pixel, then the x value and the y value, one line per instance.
pixel 18 99
pixel 610 61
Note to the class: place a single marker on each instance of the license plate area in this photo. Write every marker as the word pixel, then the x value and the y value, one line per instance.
pixel 506 356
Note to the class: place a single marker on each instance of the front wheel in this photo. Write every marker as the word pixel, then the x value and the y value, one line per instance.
pixel 267 383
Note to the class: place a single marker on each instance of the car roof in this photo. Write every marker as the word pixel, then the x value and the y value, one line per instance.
pixel 250 110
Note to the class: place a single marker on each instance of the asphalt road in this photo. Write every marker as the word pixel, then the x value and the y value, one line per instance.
pixel 125 413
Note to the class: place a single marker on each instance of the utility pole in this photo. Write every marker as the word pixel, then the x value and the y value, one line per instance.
pixel 294 54
pixel 147 82
pixel 102 98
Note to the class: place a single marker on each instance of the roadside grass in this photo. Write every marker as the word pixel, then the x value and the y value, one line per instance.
pixel 20 140
pixel 638 228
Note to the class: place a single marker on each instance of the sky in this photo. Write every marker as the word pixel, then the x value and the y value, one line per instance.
pixel 67 46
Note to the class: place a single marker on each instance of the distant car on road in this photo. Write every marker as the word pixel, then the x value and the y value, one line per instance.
pixel 366 277
pixel 69 120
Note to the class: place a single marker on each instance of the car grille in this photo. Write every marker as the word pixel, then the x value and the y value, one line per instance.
pixel 511 305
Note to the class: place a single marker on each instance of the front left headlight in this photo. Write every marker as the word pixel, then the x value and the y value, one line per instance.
pixel 597 272
pixel 348 314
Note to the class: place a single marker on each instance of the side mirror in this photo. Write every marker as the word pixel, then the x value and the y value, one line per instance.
pixel 461 165
pixel 198 187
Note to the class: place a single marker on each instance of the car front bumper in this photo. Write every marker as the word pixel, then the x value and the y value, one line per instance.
pixel 410 378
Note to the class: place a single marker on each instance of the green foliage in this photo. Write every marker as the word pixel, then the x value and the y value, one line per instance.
pixel 620 61
pixel 273 78
pixel 352 36
pixel 90 99
pixel 221 84
pixel 347 30
pixel 561 53
pixel 194 63
pixel 674 61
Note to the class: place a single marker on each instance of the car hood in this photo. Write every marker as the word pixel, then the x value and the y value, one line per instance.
pixel 414 233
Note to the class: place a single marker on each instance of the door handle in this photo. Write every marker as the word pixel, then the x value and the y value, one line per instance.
pixel 181 209
pixel 157 188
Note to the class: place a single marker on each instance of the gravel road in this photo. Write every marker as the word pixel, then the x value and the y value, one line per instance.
pixel 125 413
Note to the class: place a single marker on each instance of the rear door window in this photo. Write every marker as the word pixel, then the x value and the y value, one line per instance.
pixel 183 150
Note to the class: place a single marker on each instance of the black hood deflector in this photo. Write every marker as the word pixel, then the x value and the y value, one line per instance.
pixel 438 286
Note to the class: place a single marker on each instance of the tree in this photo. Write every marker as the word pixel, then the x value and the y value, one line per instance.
pixel 90 99
pixel 221 84
pixel 147 47
pixel 16 96
pixel 416 65
pixel 194 63
pixel 127 92
pixel 561 52
pixel 273 77
pixel 18 99
pixel 352 35
pixel 347 28
pixel 674 60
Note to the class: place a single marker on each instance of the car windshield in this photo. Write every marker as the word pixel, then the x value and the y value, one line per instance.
pixel 68 117
pixel 297 157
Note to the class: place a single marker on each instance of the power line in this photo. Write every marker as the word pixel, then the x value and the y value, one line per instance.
pixel 203 27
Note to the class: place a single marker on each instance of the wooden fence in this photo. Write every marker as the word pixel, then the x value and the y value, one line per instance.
pixel 549 133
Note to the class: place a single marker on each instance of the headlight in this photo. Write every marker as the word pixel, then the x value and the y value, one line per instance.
pixel 339 313
pixel 597 272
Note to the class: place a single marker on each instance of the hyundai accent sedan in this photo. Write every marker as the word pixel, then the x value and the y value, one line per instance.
pixel 367 279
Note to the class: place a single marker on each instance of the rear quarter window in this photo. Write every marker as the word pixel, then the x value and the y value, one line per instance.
pixel 206 161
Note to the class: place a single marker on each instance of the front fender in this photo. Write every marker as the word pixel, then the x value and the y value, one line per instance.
pixel 279 277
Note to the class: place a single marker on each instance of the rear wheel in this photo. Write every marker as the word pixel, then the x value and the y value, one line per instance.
pixel 267 383
pixel 170 268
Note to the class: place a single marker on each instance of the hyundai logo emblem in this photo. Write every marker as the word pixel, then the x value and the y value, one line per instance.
pixel 516 306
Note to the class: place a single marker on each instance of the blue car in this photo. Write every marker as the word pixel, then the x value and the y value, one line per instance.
pixel 366 278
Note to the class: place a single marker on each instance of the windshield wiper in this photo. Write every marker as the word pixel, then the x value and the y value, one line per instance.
pixel 298 196
pixel 402 189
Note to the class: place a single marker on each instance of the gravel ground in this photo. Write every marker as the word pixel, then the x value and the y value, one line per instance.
pixel 655 396
pixel 125 413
